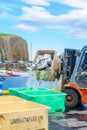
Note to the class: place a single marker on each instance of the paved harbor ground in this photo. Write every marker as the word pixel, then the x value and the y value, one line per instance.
pixel 71 119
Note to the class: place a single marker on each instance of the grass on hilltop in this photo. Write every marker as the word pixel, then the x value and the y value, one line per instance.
pixel 3 34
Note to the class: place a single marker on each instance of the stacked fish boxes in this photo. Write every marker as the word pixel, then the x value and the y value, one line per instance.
pixel 18 114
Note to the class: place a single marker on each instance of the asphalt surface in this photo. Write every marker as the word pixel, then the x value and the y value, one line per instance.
pixel 71 119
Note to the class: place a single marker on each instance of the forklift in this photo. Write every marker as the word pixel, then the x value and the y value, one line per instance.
pixel 74 76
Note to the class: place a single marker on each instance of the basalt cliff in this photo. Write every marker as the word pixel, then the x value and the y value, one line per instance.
pixel 13 47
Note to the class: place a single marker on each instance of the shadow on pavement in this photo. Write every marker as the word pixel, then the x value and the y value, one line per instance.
pixel 71 119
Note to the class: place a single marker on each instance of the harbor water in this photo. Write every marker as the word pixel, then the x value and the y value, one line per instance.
pixel 24 81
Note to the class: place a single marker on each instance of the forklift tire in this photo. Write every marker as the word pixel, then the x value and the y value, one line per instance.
pixel 72 98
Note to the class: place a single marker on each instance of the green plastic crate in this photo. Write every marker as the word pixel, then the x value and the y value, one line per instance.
pixel 15 91
pixel 55 100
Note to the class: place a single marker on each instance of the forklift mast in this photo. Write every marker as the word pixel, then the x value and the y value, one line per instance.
pixel 69 62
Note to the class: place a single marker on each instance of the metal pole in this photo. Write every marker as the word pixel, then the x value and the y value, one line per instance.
pixel 31 51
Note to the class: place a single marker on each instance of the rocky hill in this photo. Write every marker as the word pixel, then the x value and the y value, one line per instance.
pixel 13 47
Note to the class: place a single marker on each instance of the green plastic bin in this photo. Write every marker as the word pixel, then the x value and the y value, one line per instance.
pixel 15 91
pixel 55 100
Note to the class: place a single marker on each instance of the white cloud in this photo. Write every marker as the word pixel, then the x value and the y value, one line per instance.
pixel 6 8
pixel 24 27
pixel 78 34
pixel 73 3
pixel 37 16
pixel 74 17
pixel 6 16
pixel 36 2
pixel 35 13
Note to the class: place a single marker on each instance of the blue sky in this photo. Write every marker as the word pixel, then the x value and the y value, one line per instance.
pixel 47 24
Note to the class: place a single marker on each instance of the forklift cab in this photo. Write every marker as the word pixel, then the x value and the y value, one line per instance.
pixel 79 75
pixel 76 87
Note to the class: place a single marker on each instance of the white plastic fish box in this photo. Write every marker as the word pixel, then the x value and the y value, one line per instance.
pixel 22 115
pixel 54 64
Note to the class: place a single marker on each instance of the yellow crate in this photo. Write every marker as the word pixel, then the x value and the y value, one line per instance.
pixel 5 92
pixel 8 99
pixel 23 115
